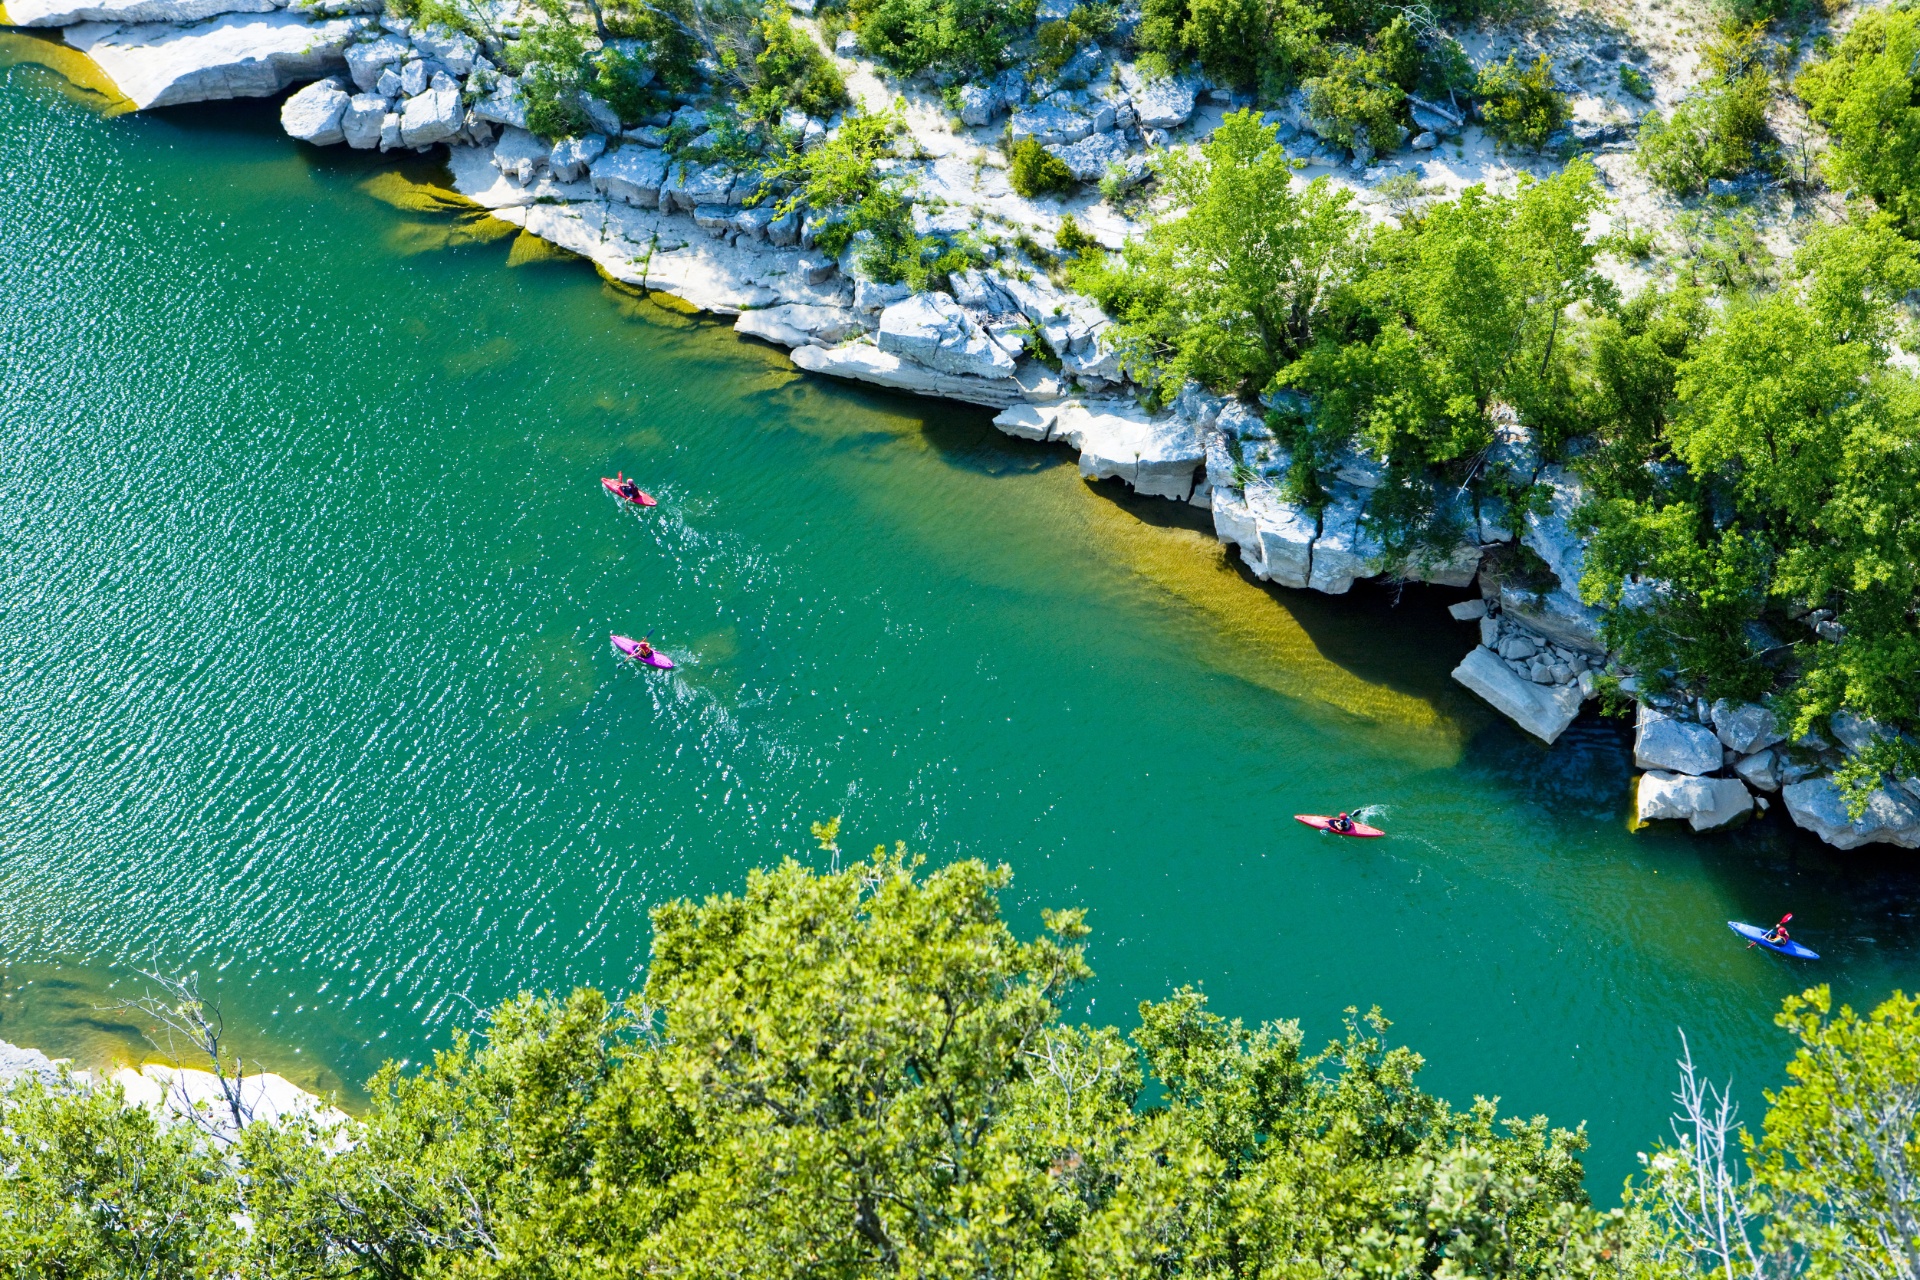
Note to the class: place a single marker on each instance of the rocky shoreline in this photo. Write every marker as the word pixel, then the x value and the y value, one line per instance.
pixel 1003 338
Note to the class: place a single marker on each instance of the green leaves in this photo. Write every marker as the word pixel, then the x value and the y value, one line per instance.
pixel 1229 291
pixel 1864 94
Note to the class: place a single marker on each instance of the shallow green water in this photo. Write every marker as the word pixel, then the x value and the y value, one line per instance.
pixel 304 676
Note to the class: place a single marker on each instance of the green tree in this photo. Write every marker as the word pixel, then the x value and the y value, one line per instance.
pixel 1865 94
pixel 1229 290
pixel 966 36
pixel 91 1188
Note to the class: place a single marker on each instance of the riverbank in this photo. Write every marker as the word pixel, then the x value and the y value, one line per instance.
pixel 1007 337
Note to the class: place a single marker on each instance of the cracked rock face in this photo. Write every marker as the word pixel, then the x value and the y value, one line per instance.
pixel 932 329
pixel 1161 103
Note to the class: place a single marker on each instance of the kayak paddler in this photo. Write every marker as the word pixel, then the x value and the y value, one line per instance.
pixel 630 490
pixel 646 650
pixel 1342 823
pixel 1777 934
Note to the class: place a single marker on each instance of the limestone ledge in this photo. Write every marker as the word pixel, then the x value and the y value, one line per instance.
pixel 178 1094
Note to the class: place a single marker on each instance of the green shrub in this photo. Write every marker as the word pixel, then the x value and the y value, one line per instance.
pixel 1520 105
pixel 1634 81
pixel 1356 98
pixel 1867 95
pixel 1057 42
pixel 792 72
pixel 968 37
pixel 1035 171
pixel 1721 131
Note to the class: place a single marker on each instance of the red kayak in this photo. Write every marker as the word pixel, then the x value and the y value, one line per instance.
pixel 1319 822
pixel 631 648
pixel 639 497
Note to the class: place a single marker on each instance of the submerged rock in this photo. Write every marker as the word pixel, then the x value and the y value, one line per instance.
pixel 234 56
pixel 1542 710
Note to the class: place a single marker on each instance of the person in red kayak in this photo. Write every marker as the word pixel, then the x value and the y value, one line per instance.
pixel 1342 823
pixel 630 490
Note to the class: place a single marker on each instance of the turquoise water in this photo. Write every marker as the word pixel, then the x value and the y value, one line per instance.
pixel 305 681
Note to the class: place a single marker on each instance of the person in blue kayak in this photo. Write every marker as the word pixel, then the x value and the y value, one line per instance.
pixel 1342 823
pixel 1775 935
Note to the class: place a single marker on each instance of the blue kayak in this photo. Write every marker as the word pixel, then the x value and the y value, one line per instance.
pixel 1755 934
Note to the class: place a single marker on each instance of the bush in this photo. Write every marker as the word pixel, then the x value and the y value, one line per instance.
pixel 1035 171
pixel 792 72
pixel 1264 45
pixel 1634 81
pixel 1721 131
pixel 1520 105
pixel 1867 94
pixel 968 37
pixel 1058 41
pixel 1359 101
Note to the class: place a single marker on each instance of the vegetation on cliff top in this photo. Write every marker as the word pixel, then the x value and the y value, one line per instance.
pixel 867 1073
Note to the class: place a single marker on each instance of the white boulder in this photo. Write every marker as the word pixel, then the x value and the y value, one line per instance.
pixel 689 185
pixel 1662 742
pixel 632 175
pixel 1761 770
pixel 1049 125
pixel 1746 729
pixel 1705 804
pixel 798 324
pixel 314 114
pixel 251 55
pixel 1028 421
pixel 1157 456
pixel 366 59
pixel 1559 614
pixel 1543 710
pixel 1089 158
pixel 1892 816
pixel 451 49
pixel 1159 102
pixel 1856 733
pixel 978 106
pixel 430 117
pixel 932 329
pixel 569 157
pixel 1275 537
pixel 867 363
pixel 503 104
pixel 360 122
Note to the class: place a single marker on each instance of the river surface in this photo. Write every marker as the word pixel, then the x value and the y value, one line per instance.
pixel 305 683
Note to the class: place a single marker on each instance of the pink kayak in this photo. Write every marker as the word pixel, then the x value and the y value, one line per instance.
pixel 639 497
pixel 1359 829
pixel 653 658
